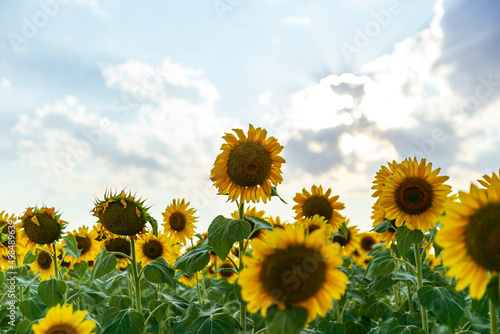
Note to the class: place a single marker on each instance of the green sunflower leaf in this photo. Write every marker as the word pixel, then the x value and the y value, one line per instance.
pixel 381 264
pixel 259 224
pixel 33 308
pixel 122 321
pixel 194 260
pixel 405 237
pixel 71 246
pixel 493 291
pixel 194 323
pixel 120 302
pixel 29 258
pixel 51 292
pixel 445 302
pixel 158 271
pixel 335 328
pixel 24 327
pixel 224 232
pixel 154 225
pixel 288 321
pixel 382 227
pixel 104 264
pixel 179 305
pixel 391 326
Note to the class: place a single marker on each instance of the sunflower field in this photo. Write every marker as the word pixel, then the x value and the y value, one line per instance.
pixel 429 265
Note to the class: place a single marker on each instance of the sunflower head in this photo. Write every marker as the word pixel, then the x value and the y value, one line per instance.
pixel 347 238
pixel 62 320
pixel 41 226
pixel 227 270
pixel 179 221
pixel 309 265
pixel 44 264
pixel 248 166
pixel 414 194
pixel 149 248
pixel 470 237
pixel 87 242
pixel 487 179
pixel 122 214
pixel 367 242
pixel 318 203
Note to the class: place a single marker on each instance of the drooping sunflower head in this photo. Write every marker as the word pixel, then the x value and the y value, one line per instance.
pixel 44 264
pixel 149 248
pixel 470 238
pixel 348 242
pixel 248 166
pixel 62 320
pixel 252 211
pixel 318 203
pixel 188 281
pixel 414 194
pixel 122 214
pixel 367 242
pixel 309 264
pixel 87 242
pixel 179 221
pixel 41 226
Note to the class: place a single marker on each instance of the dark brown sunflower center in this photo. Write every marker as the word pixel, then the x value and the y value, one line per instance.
pixel 83 243
pixel 5 231
pixel 249 164
pixel 317 205
pixel 414 196
pixel 482 237
pixel 44 260
pixel 367 243
pixel 341 240
pixel 313 228
pixel 48 231
pixel 119 245
pixel 177 221
pixel 226 274
pixel 294 274
pixel 121 220
pixel 62 329
pixel 152 249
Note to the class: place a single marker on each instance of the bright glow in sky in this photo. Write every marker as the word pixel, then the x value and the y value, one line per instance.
pixel 135 95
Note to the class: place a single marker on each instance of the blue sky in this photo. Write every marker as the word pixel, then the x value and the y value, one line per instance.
pixel 138 95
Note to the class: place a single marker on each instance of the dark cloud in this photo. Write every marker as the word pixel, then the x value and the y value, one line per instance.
pixel 471 48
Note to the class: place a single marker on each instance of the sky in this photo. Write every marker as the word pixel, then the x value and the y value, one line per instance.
pixel 134 95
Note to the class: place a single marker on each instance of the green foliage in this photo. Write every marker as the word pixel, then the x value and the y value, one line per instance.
pixel 193 322
pixel 116 320
pixel 381 264
pixel 158 271
pixel 445 302
pixel 71 246
pixel 224 232
pixel 288 321
pixel 52 292
pixel 194 260
pixel 406 237
pixel 104 264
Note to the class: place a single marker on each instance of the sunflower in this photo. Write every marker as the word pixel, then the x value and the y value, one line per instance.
pixel 227 273
pixel 62 320
pixel 252 211
pixel 44 264
pixel 119 245
pixel 315 202
pixel 11 241
pixel 367 242
pixel 277 223
pixel 179 221
pixel 349 243
pixel 149 248
pixel 188 281
pixel 470 238
pixel 122 214
pixel 388 236
pixel 381 176
pixel 40 227
pixel 248 167
pixel 87 242
pixel 314 223
pixel 61 254
pixel 308 264
pixel 486 181
pixel 414 194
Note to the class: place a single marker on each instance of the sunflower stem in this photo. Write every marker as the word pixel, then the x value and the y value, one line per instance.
pixel 410 296
pixel 418 262
pixel 198 288
pixel 493 318
pixel 56 266
pixel 136 277
pixel 243 310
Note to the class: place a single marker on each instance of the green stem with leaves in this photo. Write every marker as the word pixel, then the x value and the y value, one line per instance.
pixel 243 310
pixel 199 290
pixel 493 318
pixel 137 283
pixel 418 262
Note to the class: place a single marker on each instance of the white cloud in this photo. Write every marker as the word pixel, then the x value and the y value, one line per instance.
pixel 296 21
pixel 4 83
pixel 265 98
